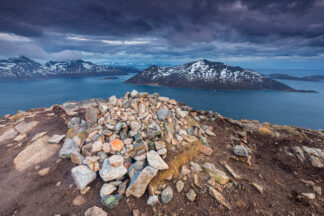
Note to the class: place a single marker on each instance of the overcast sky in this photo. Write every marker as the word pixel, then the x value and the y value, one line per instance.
pixel 253 32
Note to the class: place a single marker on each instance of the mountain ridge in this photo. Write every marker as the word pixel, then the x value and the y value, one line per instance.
pixel 204 74
pixel 23 68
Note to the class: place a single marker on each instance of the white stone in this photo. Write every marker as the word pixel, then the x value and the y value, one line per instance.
pixel 107 189
pixel 82 176
pixel 56 138
pixel 156 161
pixel 108 172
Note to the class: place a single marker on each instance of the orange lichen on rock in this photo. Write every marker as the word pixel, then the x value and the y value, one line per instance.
pixel 117 145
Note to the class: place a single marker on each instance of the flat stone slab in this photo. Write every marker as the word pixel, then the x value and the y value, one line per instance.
pixel 26 127
pixel 35 153
pixel 9 134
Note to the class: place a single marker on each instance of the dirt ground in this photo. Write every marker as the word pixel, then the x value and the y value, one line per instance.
pixel 27 193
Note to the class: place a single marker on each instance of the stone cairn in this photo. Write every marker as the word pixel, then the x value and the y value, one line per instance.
pixel 125 141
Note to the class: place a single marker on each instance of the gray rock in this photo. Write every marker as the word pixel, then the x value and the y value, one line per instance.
pixel 102 156
pixel 316 162
pixel 127 103
pixel 169 127
pixel 167 195
pixel 123 134
pixel 180 185
pixel 82 176
pixel 108 172
pixel 152 200
pixel 195 167
pixel 153 130
pixel 310 151
pixel 107 189
pixel 118 126
pixel 68 147
pixel 134 93
pixel 56 138
pixel 163 99
pixel 83 125
pixel 162 151
pixel 112 100
pixel 216 174
pixel 191 195
pixel 298 152
pixel 204 140
pixel 156 161
pixel 138 137
pixel 180 113
pixel 162 114
pixel 141 110
pixel 320 152
pixel 92 116
pixel 103 108
pixel 111 201
pixel 74 122
pixel 140 182
pixel 240 150
pixel 135 126
pixel 139 165
pixel 204 127
pixel 95 211
pixel 70 106
pixel 77 158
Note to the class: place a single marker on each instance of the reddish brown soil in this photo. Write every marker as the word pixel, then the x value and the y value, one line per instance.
pixel 27 193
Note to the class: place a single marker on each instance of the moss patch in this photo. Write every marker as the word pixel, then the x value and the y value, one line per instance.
pixel 175 163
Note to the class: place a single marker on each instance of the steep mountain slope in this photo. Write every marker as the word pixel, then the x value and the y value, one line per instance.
pixel 203 74
pixel 23 68
pixel 20 68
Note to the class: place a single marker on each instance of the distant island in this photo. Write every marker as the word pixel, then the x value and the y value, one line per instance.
pixel 313 78
pixel 110 78
pixel 204 74
pixel 23 68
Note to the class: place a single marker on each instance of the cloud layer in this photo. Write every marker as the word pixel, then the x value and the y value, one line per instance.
pixel 154 30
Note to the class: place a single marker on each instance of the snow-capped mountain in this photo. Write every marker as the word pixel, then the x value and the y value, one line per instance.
pixel 203 74
pixel 23 68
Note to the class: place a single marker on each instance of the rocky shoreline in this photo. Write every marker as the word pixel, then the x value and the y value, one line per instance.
pixel 150 155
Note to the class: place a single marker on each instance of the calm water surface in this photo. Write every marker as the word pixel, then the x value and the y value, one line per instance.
pixel 271 106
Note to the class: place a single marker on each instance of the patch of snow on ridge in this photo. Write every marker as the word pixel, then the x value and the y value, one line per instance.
pixel 7 66
pixel 87 66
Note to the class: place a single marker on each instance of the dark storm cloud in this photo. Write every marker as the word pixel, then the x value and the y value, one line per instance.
pixel 180 26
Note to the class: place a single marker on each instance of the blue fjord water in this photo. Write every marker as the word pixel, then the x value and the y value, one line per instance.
pixel 276 107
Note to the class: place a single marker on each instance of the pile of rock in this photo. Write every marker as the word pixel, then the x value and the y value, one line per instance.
pixel 126 140
pixel 303 153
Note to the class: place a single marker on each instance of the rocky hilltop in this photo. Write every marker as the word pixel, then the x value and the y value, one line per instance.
pixel 204 74
pixel 150 155
pixel 23 68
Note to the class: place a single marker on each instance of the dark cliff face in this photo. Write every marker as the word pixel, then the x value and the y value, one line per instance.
pixel 23 68
pixel 204 74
